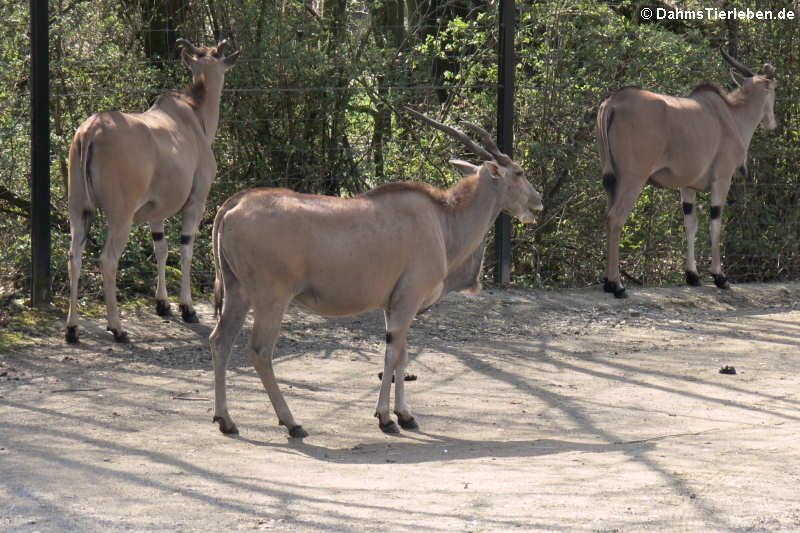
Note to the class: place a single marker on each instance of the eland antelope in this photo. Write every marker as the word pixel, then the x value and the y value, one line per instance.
pixel 399 248
pixel 145 167
pixel 693 144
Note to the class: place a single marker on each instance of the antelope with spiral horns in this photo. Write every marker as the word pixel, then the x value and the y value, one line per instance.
pixel 398 248
pixel 145 167
pixel 695 143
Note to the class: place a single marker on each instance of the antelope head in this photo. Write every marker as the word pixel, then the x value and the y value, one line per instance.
pixel 756 85
pixel 516 196
pixel 207 61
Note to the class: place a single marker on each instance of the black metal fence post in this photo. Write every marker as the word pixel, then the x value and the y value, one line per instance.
pixel 40 154
pixel 505 131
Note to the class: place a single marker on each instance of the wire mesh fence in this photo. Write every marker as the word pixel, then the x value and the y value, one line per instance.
pixel 311 105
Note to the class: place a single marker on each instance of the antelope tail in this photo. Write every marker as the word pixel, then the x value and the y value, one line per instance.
pixel 85 149
pixel 219 286
pixel 82 201
pixel 605 118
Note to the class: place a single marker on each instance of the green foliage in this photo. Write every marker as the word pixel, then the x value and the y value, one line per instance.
pixel 312 102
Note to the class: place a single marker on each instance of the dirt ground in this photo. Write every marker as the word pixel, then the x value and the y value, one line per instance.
pixel 539 411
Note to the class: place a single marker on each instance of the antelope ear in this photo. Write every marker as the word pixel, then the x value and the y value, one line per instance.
pixel 466 168
pixel 490 169
pixel 231 59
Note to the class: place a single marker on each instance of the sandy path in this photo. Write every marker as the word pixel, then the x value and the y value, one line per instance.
pixel 539 411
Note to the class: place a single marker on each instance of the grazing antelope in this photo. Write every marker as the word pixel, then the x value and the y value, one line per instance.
pixel 692 144
pixel 145 167
pixel 399 247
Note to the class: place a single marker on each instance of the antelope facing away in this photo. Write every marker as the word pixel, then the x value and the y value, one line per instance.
pixel 692 144
pixel 399 248
pixel 145 167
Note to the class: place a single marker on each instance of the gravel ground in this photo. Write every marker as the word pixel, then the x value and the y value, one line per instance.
pixel 538 410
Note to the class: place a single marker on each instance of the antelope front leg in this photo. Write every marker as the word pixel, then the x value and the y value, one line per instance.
pixel 719 192
pixel 188 313
pixel 160 250
pixel 382 411
pixel 401 409
pixel 192 213
pixel 397 325
pixel 688 197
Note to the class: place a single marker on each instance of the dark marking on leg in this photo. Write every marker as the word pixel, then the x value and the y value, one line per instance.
pixel 721 281
pixel 189 315
pixel 692 278
pixel 72 335
pixel 226 429
pixel 407 377
pixel 388 338
pixel 186 239
pixel 687 208
pixel 158 235
pixel 715 212
pixel 163 308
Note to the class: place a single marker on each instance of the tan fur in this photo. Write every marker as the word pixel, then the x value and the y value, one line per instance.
pixel 145 167
pixel 398 248
pixel 734 98
pixel 693 143
pixel 452 199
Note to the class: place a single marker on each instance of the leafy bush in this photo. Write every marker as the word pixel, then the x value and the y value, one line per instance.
pixel 312 105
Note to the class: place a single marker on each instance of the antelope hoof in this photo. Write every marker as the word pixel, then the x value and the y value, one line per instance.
pixel 72 335
pixel 407 422
pixel 615 288
pixel 189 315
pixel 389 427
pixel 692 279
pixel 119 335
pixel 721 281
pixel 162 308
pixel 227 427
pixel 297 432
